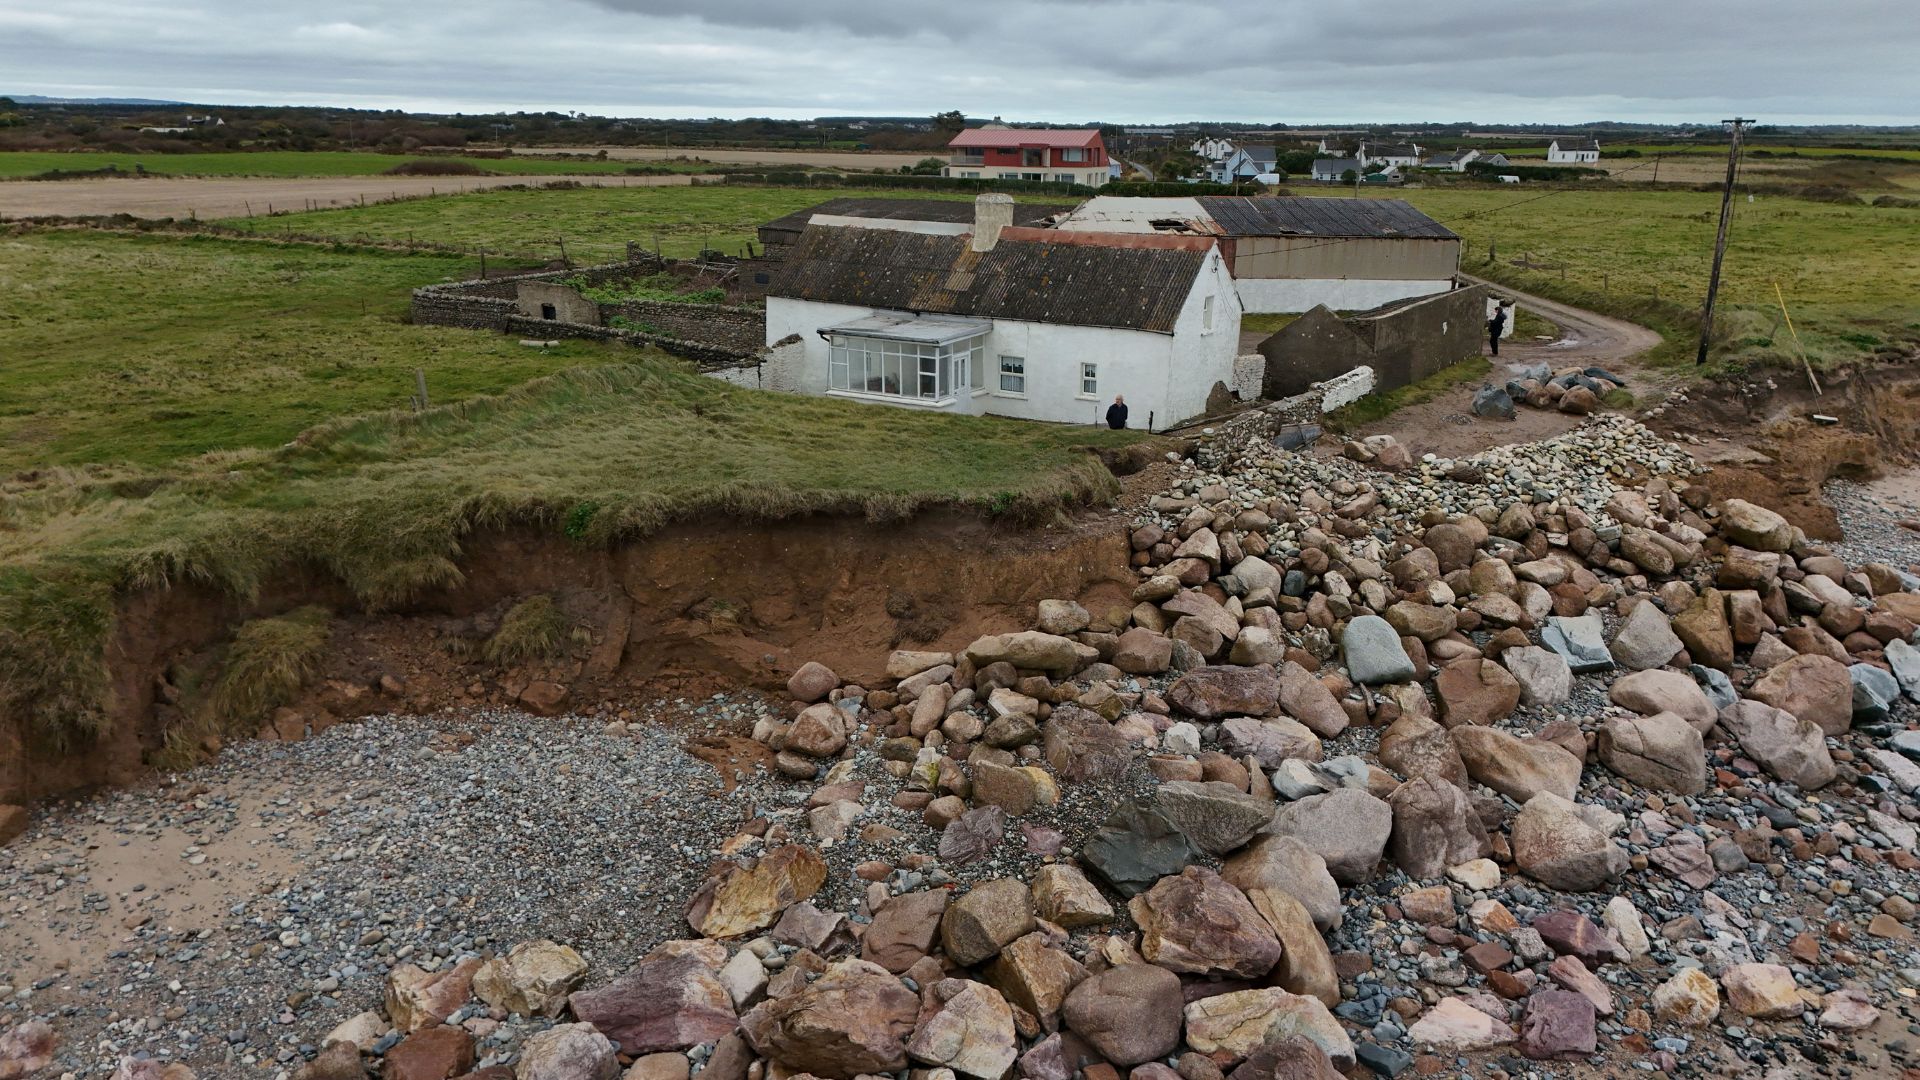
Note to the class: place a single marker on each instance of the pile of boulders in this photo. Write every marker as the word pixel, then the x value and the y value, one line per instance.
pixel 1575 391
pixel 1457 699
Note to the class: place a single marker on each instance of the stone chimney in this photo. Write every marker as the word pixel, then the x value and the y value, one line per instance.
pixel 991 213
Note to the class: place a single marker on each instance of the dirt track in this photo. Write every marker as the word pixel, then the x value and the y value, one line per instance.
pixel 1446 425
pixel 836 159
pixel 179 197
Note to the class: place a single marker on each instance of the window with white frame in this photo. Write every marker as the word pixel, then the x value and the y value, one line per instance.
pixel 1074 154
pixel 1089 379
pixel 908 369
pixel 1013 375
pixel 1206 315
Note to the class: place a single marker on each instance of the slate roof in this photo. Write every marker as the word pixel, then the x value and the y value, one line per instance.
pixel 1577 144
pixel 948 210
pixel 1388 150
pixel 1300 215
pixel 1077 282
pixel 1336 166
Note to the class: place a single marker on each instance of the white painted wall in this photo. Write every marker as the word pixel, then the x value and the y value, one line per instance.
pixel 1288 295
pixel 1165 376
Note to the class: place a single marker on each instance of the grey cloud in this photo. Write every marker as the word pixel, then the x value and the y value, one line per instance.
pixel 1067 60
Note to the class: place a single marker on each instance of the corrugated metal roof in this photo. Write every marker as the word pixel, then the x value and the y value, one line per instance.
pixel 1072 283
pixel 1065 138
pixel 1299 215
pixel 950 210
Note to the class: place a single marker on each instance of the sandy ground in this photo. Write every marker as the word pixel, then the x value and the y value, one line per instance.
pixel 838 159
pixel 217 198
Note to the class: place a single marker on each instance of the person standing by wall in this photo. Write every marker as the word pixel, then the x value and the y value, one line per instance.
pixel 1117 413
pixel 1497 325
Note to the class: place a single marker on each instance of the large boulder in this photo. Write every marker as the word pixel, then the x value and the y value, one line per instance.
pixel 739 898
pixel 567 1052
pixel 1580 640
pixel 1215 815
pixel 1475 691
pixel 532 979
pixel 1663 690
pixel 1269 741
pixel 1307 699
pixel 1137 846
pixel 417 998
pixel 1287 865
pixel 1457 1027
pixel 812 682
pixel 1063 896
pixel 1083 747
pixel 1031 649
pixel 990 915
pixel 1236 1024
pixel 1515 767
pixel 1791 749
pixel 1756 527
pixel 1434 827
pixel 904 929
pixel 1544 677
pixel 1703 628
pixel 1294 1057
pixel 1141 651
pixel 1645 639
pixel 1415 746
pixel 820 731
pixel 1195 923
pixel 1129 1013
pixel 1211 693
pixel 1373 651
pixel 854 1019
pixel 1558 847
pixel 1814 688
pixel 1662 752
pixel 671 1000
pixel 971 1031
pixel 27 1048
pixel 1306 964
pixel 1036 975
pixel 1348 827
pixel 1558 1024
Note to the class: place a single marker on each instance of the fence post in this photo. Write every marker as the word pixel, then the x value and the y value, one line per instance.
pixel 420 389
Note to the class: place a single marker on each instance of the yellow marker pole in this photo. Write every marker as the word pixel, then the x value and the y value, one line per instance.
pixel 1804 362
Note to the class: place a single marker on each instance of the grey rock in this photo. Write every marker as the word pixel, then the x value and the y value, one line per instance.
pixel 1580 641
pixel 1373 651
pixel 1719 688
pixel 1645 639
pixel 1348 828
pixel 1136 847
pixel 1216 816
pixel 1874 689
pixel 1904 658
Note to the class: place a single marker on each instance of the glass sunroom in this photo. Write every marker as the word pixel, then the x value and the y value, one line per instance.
pixel 907 359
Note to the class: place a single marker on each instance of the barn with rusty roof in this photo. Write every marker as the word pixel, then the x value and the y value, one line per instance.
pixel 1291 253
pixel 993 317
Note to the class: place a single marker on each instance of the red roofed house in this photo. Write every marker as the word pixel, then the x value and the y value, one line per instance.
pixel 1055 155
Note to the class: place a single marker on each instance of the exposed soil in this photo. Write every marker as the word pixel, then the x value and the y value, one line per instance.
pixel 688 611
pixel 834 159
pixel 182 197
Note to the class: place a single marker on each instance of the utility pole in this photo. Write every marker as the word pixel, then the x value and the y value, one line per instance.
pixel 1736 125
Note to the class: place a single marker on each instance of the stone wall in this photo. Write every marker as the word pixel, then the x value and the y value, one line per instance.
pixel 1403 343
pixel 710 335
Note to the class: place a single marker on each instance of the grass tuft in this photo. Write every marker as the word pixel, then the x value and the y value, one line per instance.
pixel 268 663
pixel 534 629
pixel 1376 407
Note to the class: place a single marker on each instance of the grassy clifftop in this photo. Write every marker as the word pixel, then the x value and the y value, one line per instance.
pixel 383 501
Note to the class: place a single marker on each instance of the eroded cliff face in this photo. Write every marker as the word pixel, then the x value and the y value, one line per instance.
pixel 694 607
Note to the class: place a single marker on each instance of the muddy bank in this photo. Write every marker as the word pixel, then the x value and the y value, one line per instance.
pixel 684 611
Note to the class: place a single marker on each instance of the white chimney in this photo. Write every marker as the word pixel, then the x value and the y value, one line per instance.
pixel 991 213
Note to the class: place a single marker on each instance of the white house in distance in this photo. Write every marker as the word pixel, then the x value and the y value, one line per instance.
pixel 1454 161
pixel 1213 149
pixel 1290 253
pixel 1377 155
pixel 1247 163
pixel 989 317
pixel 1570 151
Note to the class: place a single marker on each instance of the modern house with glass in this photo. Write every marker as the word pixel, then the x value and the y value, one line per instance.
pixel 989 317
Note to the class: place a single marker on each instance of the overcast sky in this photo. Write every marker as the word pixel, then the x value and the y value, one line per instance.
pixel 1287 61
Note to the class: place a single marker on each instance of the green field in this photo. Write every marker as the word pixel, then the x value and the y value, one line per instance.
pixel 595 222
pixel 1850 273
pixel 23 163
pixel 1720 151
pixel 145 349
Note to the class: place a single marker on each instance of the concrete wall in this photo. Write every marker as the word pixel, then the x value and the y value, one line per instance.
pixel 1402 344
pixel 1287 295
pixel 531 297
pixel 1165 377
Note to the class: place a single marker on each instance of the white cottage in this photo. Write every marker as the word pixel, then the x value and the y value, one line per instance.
pixel 1573 152
pixel 994 318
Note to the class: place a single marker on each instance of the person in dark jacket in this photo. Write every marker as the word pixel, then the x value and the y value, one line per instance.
pixel 1117 413
pixel 1497 325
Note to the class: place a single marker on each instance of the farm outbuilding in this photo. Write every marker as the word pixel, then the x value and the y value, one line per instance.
pixel 1293 253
